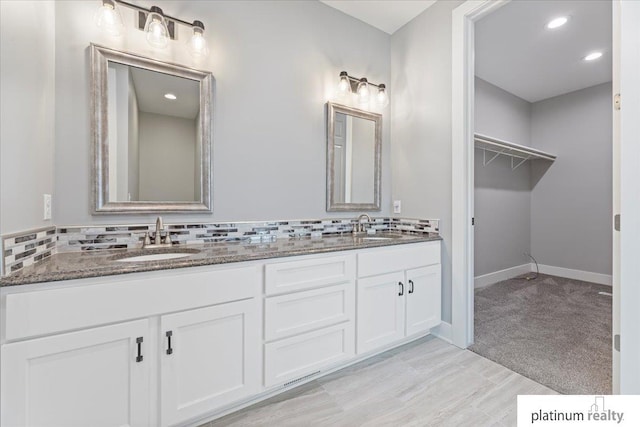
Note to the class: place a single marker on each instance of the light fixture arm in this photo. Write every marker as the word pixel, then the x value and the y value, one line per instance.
pixel 168 17
pixel 354 81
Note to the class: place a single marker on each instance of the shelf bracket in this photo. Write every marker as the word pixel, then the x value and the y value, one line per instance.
pixel 521 162
pixel 484 157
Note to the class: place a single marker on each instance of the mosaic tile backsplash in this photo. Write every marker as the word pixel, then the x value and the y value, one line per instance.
pixel 24 249
pixel 21 250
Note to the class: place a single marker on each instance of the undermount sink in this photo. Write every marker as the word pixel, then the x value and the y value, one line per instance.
pixel 142 256
pixel 380 237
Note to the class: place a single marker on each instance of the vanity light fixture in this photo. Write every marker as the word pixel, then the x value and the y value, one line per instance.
pixel 159 28
pixel 557 22
pixel 170 96
pixel 197 45
pixel 363 91
pixel 592 56
pixel 156 28
pixel 344 86
pixel 108 18
pixel 361 87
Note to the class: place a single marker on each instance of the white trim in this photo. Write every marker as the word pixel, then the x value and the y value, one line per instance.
pixel 629 200
pixel 500 275
pixel 462 75
pixel 586 276
pixel 442 331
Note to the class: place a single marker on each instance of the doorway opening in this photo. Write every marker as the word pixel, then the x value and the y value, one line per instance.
pixel 533 203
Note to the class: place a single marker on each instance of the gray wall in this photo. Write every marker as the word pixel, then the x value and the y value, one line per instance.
pixel 571 203
pixel 27 33
pixel 421 124
pixel 275 63
pixel 167 151
pixel 502 196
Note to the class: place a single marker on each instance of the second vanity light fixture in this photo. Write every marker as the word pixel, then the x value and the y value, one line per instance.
pixel 159 28
pixel 360 87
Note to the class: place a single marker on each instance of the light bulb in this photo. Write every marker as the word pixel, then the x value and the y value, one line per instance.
pixel 558 22
pixel 344 86
pixel 156 28
pixel 382 98
pixel 363 91
pixel 197 44
pixel 592 56
pixel 108 18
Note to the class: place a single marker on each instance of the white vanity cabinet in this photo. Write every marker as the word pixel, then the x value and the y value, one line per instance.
pixel 398 294
pixel 93 377
pixel 309 316
pixel 98 366
pixel 209 357
pixel 179 347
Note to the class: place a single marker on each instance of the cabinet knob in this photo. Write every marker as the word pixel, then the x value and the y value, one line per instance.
pixel 401 289
pixel 410 286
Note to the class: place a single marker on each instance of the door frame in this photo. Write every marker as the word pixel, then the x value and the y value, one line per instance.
pixel 626 271
pixel 462 155
pixel 628 316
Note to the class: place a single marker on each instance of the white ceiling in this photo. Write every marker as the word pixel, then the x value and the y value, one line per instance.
pixel 516 52
pixel 151 87
pixel 385 15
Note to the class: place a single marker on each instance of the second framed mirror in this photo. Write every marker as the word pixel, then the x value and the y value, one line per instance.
pixel 354 145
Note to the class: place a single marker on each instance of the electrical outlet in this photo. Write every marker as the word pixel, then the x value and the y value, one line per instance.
pixel 397 206
pixel 47 206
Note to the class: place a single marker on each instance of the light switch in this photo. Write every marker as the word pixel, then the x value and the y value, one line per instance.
pixel 397 206
pixel 47 206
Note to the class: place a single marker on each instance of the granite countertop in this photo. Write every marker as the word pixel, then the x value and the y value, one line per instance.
pixel 78 265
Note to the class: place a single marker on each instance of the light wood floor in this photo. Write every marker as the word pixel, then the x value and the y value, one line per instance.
pixel 425 383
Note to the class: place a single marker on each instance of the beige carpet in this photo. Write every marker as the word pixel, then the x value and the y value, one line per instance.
pixel 553 330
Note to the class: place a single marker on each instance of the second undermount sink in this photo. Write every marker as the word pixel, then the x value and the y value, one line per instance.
pixel 146 256
pixel 380 237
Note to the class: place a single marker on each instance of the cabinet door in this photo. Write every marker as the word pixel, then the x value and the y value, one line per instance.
pixel 86 378
pixel 423 299
pixel 214 359
pixel 380 311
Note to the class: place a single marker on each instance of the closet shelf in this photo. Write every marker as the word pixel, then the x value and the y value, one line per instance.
pixel 515 151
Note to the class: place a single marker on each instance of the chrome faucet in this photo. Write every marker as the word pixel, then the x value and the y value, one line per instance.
pixel 359 226
pixel 157 237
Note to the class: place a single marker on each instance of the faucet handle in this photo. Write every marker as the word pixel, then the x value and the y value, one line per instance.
pixel 147 239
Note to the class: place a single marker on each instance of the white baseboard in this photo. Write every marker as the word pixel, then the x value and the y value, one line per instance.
pixel 498 276
pixel 443 331
pixel 587 276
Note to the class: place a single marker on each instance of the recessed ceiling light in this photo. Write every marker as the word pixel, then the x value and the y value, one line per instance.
pixel 592 56
pixel 170 96
pixel 557 22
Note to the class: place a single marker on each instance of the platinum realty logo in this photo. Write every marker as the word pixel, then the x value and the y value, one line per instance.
pixel 579 410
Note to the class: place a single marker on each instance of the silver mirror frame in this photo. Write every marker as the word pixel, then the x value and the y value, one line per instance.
pixel 332 204
pixel 100 204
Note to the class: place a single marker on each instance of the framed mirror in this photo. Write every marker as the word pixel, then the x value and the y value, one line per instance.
pixel 152 130
pixel 354 145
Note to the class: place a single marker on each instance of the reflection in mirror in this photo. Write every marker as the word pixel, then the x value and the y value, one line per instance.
pixel 151 131
pixel 153 136
pixel 353 159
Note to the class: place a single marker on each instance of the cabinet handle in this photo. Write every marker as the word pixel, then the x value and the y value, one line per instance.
pixel 139 342
pixel 169 349
pixel 401 289
pixel 411 288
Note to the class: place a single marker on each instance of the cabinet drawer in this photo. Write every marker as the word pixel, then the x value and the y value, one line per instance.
pixel 308 273
pixel 386 260
pixel 299 312
pixel 50 311
pixel 295 357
